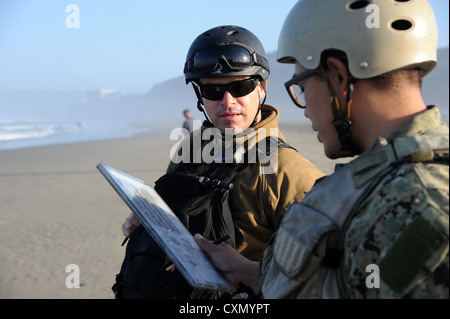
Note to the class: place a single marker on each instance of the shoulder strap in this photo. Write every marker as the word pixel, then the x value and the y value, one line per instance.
pixel 272 144
pixel 422 148
pixel 223 174
pixel 277 142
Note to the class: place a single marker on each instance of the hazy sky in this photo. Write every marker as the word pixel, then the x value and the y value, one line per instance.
pixel 126 45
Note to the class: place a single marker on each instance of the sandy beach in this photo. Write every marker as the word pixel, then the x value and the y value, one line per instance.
pixel 57 210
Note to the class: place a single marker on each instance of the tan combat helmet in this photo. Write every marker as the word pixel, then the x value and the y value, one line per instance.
pixel 378 36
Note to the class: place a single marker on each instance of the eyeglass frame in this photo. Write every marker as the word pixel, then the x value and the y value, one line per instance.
pixel 295 79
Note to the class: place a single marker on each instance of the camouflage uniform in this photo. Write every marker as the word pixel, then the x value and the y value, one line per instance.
pixel 389 208
pixel 401 227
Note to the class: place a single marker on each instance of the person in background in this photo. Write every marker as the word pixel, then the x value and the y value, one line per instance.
pixel 189 123
pixel 378 227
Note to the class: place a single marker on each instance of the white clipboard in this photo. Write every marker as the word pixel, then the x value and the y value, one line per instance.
pixel 167 230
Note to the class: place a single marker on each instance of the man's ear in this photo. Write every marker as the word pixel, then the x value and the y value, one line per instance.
pixel 262 89
pixel 338 74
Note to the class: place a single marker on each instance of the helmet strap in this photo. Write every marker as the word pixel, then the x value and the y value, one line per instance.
pixel 261 102
pixel 341 119
pixel 200 102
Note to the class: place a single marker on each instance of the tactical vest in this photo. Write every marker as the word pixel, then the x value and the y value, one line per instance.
pixel 301 261
pixel 200 201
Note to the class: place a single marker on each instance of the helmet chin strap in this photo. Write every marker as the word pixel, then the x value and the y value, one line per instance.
pixel 341 119
pixel 199 103
pixel 261 103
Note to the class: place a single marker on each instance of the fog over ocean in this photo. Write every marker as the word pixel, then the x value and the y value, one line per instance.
pixel 36 118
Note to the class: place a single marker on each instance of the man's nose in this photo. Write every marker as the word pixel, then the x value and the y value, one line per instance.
pixel 228 98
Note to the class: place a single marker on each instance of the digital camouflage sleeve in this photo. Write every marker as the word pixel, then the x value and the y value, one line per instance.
pixel 402 227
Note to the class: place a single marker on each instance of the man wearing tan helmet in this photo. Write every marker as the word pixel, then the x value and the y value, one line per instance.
pixel 378 227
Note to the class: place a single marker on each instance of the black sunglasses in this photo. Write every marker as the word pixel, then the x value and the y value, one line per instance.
pixel 215 92
pixel 296 92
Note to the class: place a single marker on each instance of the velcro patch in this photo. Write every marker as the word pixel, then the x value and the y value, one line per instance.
pixel 409 254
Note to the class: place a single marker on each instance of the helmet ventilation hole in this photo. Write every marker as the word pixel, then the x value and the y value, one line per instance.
pixel 232 32
pixel 359 4
pixel 402 25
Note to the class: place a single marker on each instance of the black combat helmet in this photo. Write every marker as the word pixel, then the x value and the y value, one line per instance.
pixel 226 51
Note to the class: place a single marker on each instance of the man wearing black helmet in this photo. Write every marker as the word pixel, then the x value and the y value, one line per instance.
pixel 228 55
pixel 228 70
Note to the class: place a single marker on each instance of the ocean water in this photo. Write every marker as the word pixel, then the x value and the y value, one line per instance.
pixel 31 132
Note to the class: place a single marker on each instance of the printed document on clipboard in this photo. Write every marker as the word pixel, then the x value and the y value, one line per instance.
pixel 168 231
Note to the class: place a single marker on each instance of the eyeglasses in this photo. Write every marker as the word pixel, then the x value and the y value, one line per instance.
pixel 215 92
pixel 296 92
pixel 234 57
